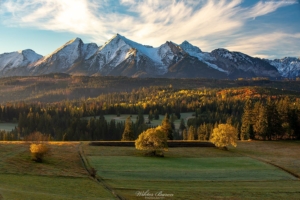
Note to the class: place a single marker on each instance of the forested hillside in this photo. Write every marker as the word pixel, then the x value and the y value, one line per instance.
pixel 59 87
pixel 259 112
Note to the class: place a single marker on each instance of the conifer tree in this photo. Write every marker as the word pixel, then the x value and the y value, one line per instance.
pixel 140 119
pixel 167 127
pixel 150 116
pixel 112 130
pixel 247 125
pixel 201 132
pixel 261 124
pixel 182 125
pixel 156 114
pixel 128 134
pixel 294 121
pixel 274 122
pixel 184 135
pixel 191 133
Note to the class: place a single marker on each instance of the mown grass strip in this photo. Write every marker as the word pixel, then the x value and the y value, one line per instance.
pixel 91 171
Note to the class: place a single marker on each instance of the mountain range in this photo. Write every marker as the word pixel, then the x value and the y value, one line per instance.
pixel 123 57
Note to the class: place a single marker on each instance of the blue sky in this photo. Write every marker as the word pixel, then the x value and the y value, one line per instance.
pixel 267 29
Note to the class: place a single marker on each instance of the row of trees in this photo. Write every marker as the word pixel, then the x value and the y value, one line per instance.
pixel 271 120
pixel 258 118
pixel 154 140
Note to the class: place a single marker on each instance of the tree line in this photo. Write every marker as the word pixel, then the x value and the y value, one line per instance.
pixel 262 116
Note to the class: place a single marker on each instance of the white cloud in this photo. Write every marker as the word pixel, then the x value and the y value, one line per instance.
pixel 208 24
pixel 76 16
pixel 263 8
pixel 263 45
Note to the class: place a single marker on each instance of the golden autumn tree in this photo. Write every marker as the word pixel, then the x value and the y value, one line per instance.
pixel 38 148
pixel 38 151
pixel 153 141
pixel 224 135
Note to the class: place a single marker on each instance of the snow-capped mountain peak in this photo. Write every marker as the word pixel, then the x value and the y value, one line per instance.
pixel 68 50
pixel 16 59
pixel 287 67
pixel 122 56
pixel 148 51
pixel 72 44
pixel 30 55
pixel 115 49
pixel 89 50
pixel 65 57
pixel 224 53
pixel 74 40
pixel 188 47
pixel 202 56
pixel 231 55
pixel 119 48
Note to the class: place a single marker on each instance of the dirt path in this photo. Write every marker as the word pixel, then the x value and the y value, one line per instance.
pixel 91 171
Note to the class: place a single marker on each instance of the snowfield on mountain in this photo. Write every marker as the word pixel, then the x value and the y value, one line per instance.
pixel 123 57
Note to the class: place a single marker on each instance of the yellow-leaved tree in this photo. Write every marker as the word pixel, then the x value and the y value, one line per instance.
pixel 38 148
pixel 38 151
pixel 153 141
pixel 224 135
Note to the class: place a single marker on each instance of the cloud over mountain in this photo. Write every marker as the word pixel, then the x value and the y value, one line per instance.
pixel 209 23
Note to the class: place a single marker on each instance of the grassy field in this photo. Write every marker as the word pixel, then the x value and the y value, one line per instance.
pixel 61 176
pixel 198 173
pixel 7 126
pixel 284 154
pixel 245 172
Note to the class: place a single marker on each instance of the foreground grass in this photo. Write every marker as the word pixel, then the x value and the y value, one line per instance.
pixel 281 153
pixel 195 190
pixel 192 173
pixel 185 173
pixel 60 176
pixel 14 186
pixel 186 169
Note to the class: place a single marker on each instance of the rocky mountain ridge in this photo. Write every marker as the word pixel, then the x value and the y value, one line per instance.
pixel 123 57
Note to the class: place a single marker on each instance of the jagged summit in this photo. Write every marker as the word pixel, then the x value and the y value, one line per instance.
pixel 189 47
pixel 125 57
pixel 17 59
pixel 288 67
pixel 77 39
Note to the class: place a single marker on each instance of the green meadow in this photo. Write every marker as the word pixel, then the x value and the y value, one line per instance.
pixel 192 173
pixel 61 176
pixel 253 170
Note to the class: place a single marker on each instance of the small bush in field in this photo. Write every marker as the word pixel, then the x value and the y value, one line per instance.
pixel 38 151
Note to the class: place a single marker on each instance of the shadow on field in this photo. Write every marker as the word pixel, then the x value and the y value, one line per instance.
pixel 170 144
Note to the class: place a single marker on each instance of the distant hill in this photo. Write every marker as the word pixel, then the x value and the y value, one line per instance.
pixel 61 87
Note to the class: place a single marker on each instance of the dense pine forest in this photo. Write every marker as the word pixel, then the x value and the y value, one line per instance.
pixel 66 108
